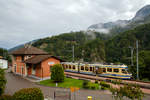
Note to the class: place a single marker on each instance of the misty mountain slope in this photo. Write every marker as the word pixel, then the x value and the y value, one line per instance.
pixel 142 13
pixel 142 17
pixel 86 46
pixel 117 48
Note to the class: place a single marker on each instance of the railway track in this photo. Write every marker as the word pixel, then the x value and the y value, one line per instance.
pixel 145 86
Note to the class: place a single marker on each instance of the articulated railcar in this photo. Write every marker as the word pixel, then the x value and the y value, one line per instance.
pixel 113 71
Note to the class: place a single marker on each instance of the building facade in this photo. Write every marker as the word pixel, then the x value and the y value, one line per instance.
pixel 33 62
pixel 3 63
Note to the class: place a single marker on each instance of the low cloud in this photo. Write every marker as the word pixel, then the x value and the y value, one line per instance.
pixel 25 20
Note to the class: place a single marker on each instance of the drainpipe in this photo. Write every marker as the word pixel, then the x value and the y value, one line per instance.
pixel 42 73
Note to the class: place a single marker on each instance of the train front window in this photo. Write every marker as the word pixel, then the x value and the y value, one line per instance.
pixel 124 71
pixel 116 70
pixel 109 69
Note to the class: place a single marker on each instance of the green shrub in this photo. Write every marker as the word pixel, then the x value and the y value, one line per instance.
pixel 104 85
pixel 96 81
pixel 116 81
pixel 6 97
pixel 57 73
pixel 128 91
pixel 88 85
pixel 93 86
pixel 2 81
pixel 28 94
pixel 85 84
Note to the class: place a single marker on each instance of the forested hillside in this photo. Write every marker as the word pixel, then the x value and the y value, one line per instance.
pixel 97 47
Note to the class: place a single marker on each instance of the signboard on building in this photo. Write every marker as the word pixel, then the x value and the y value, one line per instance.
pixel 51 63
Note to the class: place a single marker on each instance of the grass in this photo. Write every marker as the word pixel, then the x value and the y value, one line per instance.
pixel 68 82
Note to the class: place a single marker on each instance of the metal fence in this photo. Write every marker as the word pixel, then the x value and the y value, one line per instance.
pixel 62 95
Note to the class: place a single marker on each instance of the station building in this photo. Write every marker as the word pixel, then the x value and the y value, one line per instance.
pixel 33 62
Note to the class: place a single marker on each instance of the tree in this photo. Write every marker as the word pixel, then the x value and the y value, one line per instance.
pixel 2 81
pixel 57 73
pixel 131 91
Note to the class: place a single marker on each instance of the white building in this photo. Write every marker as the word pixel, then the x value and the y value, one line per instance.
pixel 3 63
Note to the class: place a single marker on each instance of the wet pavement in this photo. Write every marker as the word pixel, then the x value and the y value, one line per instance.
pixel 15 83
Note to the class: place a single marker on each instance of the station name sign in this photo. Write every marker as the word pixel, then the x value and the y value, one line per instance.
pixel 51 63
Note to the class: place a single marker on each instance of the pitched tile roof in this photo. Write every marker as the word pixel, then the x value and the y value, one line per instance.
pixel 39 58
pixel 28 50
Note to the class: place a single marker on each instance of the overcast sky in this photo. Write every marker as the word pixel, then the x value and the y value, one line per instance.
pixel 25 20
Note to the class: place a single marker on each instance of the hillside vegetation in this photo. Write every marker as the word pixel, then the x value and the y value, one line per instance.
pixel 102 48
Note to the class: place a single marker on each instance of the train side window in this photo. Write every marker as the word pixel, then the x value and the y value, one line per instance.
pixel 104 69
pixel 86 68
pixel 91 68
pixel 116 70
pixel 74 67
pixel 66 66
pixel 63 66
pixel 82 68
pixel 69 66
pixel 109 69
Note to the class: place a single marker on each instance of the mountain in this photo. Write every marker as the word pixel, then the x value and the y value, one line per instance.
pixel 142 13
pixel 142 17
pixel 21 45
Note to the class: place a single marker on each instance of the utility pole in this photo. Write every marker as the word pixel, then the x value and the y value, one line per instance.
pixel 132 49
pixel 137 60
pixel 73 53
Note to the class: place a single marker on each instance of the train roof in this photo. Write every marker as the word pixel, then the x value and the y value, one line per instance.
pixel 96 65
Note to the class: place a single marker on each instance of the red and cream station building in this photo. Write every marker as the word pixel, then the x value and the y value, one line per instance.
pixel 33 62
